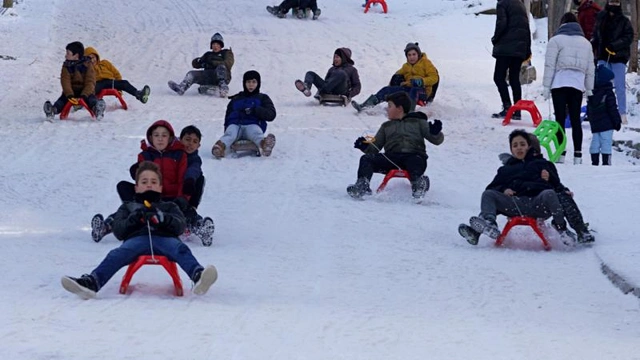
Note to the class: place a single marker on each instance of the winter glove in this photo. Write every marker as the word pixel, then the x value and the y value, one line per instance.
pixel 154 217
pixel 417 82
pixel 189 186
pixel 196 63
pixel 136 216
pixel 361 144
pixel 610 52
pixel 617 126
pixel 435 127
pixel 396 80
pixel 546 93
pixel 73 100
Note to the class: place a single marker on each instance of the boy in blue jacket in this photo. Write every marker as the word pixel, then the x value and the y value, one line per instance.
pixel 603 115
pixel 147 225
pixel 246 118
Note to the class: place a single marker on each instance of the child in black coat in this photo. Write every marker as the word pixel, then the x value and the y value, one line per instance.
pixel 603 115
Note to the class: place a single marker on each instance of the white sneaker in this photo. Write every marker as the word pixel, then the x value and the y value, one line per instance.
pixel 560 160
pixel 207 277
pixel 577 160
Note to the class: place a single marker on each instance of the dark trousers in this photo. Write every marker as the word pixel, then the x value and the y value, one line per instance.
pixel 120 85
pixel 287 5
pixel 62 101
pixel 504 63
pixel 211 77
pixel 195 198
pixel 568 98
pixel 415 164
pixel 571 212
pixel 388 90
pixel 336 84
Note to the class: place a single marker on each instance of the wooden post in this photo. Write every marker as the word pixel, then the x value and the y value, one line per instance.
pixel 7 3
pixel 635 15
pixel 556 9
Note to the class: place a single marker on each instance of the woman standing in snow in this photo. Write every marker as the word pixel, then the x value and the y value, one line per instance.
pixel 569 71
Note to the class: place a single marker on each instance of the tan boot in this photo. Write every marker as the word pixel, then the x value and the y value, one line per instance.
pixel 218 150
pixel 267 144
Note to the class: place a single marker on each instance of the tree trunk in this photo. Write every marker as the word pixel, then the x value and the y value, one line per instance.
pixel 538 8
pixel 635 15
pixel 7 3
pixel 557 8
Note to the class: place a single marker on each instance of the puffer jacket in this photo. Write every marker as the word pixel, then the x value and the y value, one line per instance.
pixel 602 108
pixel 614 33
pixel 524 177
pixel 104 69
pixel 210 60
pixel 406 135
pixel 78 76
pixel 512 36
pixel 263 110
pixel 424 70
pixel 126 226
pixel 569 49
pixel 353 78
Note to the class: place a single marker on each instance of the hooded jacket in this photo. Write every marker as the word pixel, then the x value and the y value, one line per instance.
pixel 353 78
pixel 569 49
pixel 613 32
pixel 261 108
pixel 172 160
pixel 406 135
pixel 424 70
pixel 602 108
pixel 78 76
pixel 104 69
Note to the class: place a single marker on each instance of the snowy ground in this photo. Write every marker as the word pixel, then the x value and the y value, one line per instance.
pixel 305 271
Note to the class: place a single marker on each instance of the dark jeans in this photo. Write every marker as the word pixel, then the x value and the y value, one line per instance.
pixel 62 101
pixel 128 252
pixel 337 84
pixel 513 64
pixel 572 212
pixel 543 206
pixel 212 77
pixel 287 5
pixel 120 85
pixel 388 90
pixel 195 198
pixel 568 98
pixel 415 164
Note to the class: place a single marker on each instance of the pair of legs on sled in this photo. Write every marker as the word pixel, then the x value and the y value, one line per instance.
pixel 252 133
pixel 414 164
pixel 299 6
pixel 212 82
pixel 547 203
pixel 124 85
pixel 416 94
pixel 336 84
pixel 96 105
pixel 196 224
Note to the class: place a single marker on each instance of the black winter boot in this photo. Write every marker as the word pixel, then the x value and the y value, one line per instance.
pixel 370 102
pixel 595 159
pixel 359 189
pixel 606 159
pixel 503 113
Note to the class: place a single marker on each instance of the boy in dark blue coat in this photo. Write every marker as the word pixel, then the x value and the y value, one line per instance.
pixel 603 115
pixel 246 118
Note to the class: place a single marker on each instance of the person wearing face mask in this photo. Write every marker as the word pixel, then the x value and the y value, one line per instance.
pixel 612 38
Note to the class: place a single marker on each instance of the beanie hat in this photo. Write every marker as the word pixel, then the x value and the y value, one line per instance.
pixel 217 38
pixel 76 48
pixel 603 75
pixel 400 98
pixel 412 46
pixel 251 75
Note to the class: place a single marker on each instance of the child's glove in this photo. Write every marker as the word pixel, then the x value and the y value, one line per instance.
pixel 435 127
pixel 546 93
pixel 396 80
pixel 73 100
pixel 361 143
pixel 155 216
pixel 417 82
pixel 617 126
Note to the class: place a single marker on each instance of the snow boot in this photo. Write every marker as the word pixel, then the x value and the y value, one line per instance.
pixel 100 227
pixel 595 159
pixel 303 88
pixel 99 109
pixel 606 159
pixel 517 115
pixel 178 88
pixel 224 89
pixel 275 10
pixel 487 226
pixel 469 234
pixel 562 158
pixel 585 237
pixel 316 14
pixel 85 286
pixel 218 149
pixel 567 236
pixel 143 95
pixel 420 187
pixel 359 189
pixel 209 90
pixel 203 279
pixel 49 110
pixel 370 102
pixel 267 144
pixel 502 114
pixel 204 229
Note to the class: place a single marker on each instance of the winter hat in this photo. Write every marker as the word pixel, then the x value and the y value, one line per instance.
pixel 217 38
pixel 412 46
pixel 164 124
pixel 251 75
pixel 345 55
pixel 400 98
pixel 76 48
pixel 603 75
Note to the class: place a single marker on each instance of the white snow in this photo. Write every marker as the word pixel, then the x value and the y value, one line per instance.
pixel 305 271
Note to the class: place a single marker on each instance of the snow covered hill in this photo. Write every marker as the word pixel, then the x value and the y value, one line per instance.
pixel 305 271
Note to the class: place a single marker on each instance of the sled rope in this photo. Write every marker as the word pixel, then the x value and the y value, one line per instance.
pixel 369 140
pixel 148 205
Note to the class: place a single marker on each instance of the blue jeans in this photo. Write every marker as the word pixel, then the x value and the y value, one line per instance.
pixel 388 90
pixel 236 132
pixel 601 142
pixel 619 71
pixel 128 252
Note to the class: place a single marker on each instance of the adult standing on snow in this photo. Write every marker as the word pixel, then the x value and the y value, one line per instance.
pixel 612 38
pixel 587 11
pixel 511 46
pixel 569 71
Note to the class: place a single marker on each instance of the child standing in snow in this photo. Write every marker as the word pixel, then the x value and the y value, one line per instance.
pixel 108 77
pixel 416 77
pixel 215 76
pixel 402 137
pixel 145 230
pixel 78 80
pixel 603 115
pixel 246 118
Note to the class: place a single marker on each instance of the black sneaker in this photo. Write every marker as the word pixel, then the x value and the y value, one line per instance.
pixel 203 279
pixel 419 187
pixel 49 111
pixel 567 236
pixel 143 95
pixel 586 237
pixel 316 14
pixel 359 189
pixel 86 286
pixel 469 234
pixel 517 115
pixel 488 227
